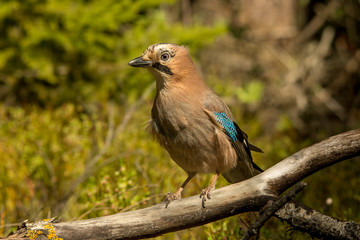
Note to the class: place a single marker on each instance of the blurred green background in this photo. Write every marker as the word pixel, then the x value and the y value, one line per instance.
pixel 73 114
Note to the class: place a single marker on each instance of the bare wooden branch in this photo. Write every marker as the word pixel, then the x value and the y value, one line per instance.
pixel 249 195
pixel 317 224
pixel 271 209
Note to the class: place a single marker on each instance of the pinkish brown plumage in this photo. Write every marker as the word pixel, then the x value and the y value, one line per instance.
pixel 192 123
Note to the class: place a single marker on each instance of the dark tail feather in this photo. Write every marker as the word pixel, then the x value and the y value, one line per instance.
pixel 257 167
pixel 242 171
pixel 255 148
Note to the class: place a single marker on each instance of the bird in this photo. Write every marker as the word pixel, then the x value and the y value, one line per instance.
pixel 192 123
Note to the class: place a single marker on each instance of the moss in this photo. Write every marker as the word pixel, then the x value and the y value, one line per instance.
pixel 48 231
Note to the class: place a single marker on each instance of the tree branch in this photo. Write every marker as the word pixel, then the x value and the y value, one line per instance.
pixel 271 209
pixel 317 224
pixel 249 195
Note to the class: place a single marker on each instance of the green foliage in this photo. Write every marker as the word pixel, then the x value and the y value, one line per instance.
pixel 226 229
pixel 39 150
pixel 60 51
pixel 250 93
pixel 45 151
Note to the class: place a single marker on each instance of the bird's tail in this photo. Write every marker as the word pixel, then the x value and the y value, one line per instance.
pixel 244 169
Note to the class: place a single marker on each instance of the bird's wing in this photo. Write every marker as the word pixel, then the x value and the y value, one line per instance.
pixel 239 140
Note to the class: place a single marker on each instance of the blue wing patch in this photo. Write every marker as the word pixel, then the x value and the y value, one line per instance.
pixel 229 126
pixel 238 137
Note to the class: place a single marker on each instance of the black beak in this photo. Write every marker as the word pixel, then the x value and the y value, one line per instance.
pixel 139 62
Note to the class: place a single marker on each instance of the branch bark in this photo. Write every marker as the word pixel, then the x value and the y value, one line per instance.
pixel 272 209
pixel 317 224
pixel 249 195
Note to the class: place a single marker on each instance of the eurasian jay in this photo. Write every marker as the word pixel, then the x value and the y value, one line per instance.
pixel 192 123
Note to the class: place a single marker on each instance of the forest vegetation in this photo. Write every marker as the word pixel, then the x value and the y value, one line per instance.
pixel 73 114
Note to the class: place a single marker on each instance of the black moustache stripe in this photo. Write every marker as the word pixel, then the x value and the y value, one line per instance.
pixel 162 68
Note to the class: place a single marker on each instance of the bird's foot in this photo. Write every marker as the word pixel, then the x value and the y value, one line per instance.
pixel 170 197
pixel 205 194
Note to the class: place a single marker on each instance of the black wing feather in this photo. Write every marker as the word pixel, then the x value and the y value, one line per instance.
pixel 244 144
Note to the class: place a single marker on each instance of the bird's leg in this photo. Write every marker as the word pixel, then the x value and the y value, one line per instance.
pixel 205 193
pixel 177 195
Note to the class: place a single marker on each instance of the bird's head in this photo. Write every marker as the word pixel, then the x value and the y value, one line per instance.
pixel 168 63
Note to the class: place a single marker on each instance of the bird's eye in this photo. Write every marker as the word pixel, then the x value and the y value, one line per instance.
pixel 165 56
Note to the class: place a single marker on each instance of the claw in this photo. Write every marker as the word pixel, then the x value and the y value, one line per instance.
pixel 170 197
pixel 205 194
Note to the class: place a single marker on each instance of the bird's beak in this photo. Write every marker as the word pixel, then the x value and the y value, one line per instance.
pixel 139 62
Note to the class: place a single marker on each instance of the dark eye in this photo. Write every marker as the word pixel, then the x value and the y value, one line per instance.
pixel 165 56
